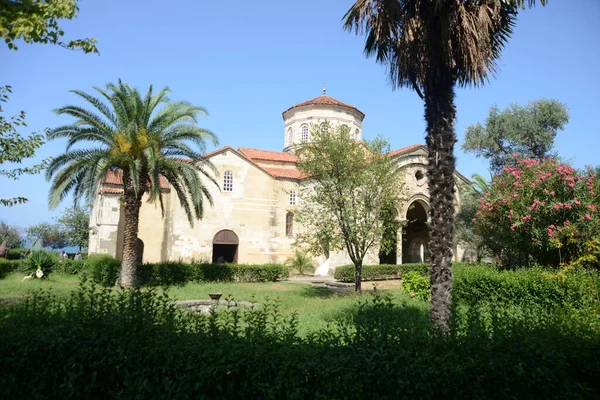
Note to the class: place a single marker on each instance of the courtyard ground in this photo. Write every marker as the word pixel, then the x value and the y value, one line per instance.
pixel 316 306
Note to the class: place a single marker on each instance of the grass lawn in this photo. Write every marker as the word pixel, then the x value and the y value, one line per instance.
pixel 315 306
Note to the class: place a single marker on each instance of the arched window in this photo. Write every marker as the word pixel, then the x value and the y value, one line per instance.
pixel 324 127
pixel 357 135
pixel 305 134
pixel 289 224
pixel 290 137
pixel 228 181
pixel 293 198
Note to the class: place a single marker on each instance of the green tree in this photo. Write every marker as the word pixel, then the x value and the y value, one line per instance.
pixel 37 21
pixel 75 223
pixel 432 46
pixel 528 131
pixel 349 185
pixel 14 147
pixel 126 131
pixel 49 235
pixel 11 234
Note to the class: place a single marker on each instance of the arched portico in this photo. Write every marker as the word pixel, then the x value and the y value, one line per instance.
pixel 416 232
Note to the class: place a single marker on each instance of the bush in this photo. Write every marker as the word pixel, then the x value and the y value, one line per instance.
pixel 103 269
pixel 416 285
pixel 16 254
pixel 9 266
pixel 478 284
pixel 174 273
pixel 379 350
pixel 70 267
pixel 345 273
pixel 301 262
pixel 40 260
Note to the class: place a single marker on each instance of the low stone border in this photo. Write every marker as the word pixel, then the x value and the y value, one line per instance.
pixel 205 306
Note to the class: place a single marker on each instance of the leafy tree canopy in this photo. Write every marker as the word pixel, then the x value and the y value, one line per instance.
pixel 525 130
pixel 49 235
pixel 75 224
pixel 38 21
pixel 14 147
pixel 349 187
pixel 11 234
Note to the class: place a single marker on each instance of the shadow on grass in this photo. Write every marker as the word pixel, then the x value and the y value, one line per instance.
pixel 323 292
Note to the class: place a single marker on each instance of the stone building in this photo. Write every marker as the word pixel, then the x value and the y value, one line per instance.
pixel 252 220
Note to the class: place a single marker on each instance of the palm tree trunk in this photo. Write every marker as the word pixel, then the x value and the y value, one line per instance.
pixel 127 277
pixel 440 114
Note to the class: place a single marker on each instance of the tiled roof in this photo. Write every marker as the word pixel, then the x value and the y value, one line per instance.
pixel 406 150
pixel 285 173
pixel 111 190
pixel 115 177
pixel 267 155
pixel 325 100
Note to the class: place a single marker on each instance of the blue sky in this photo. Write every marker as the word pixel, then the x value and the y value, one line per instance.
pixel 247 62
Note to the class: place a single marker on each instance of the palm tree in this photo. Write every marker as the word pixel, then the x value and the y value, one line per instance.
pixel 431 46
pixel 480 185
pixel 301 262
pixel 127 132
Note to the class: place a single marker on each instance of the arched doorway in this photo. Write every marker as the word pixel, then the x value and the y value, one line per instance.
pixel 225 247
pixel 416 236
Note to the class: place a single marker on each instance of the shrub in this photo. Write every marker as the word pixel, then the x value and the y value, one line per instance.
pixel 259 273
pixel 103 269
pixel 543 210
pixel 164 274
pixel 9 266
pixel 70 267
pixel 40 260
pixel 481 284
pixel 16 254
pixel 416 285
pixel 380 350
pixel 345 273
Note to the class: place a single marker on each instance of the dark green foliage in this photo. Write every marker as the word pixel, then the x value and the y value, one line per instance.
pixel 478 284
pixel 8 266
pixel 174 273
pixel 70 266
pixel 136 344
pixel 16 254
pixel 103 269
pixel 345 273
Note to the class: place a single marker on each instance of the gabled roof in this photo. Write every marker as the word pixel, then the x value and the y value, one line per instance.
pixel 268 155
pixel 325 100
pixel 285 173
pixel 115 177
pixel 406 149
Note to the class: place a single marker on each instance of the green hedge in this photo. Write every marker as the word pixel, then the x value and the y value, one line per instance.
pixel 8 266
pixel 104 270
pixel 136 345
pixel 477 283
pixel 15 254
pixel 174 273
pixel 345 273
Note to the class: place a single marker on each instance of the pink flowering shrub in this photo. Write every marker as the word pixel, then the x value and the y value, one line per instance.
pixel 541 211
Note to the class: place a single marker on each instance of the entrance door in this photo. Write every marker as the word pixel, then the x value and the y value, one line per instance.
pixel 225 247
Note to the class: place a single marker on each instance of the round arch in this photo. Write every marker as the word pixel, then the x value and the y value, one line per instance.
pixel 416 231
pixel 225 247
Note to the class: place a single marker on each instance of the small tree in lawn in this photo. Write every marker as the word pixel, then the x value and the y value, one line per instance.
pixel 350 184
pixel 301 262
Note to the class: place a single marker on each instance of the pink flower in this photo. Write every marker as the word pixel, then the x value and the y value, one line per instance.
pixel 577 202
pixel 571 185
pixel 591 207
pixel 515 195
pixel 588 217
pixel 568 206
pixel 474 219
pixel 553 193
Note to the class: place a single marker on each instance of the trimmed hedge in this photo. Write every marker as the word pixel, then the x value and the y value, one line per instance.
pixel 8 266
pixel 136 345
pixel 345 273
pixel 174 273
pixel 476 284
pixel 104 270
pixel 15 254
